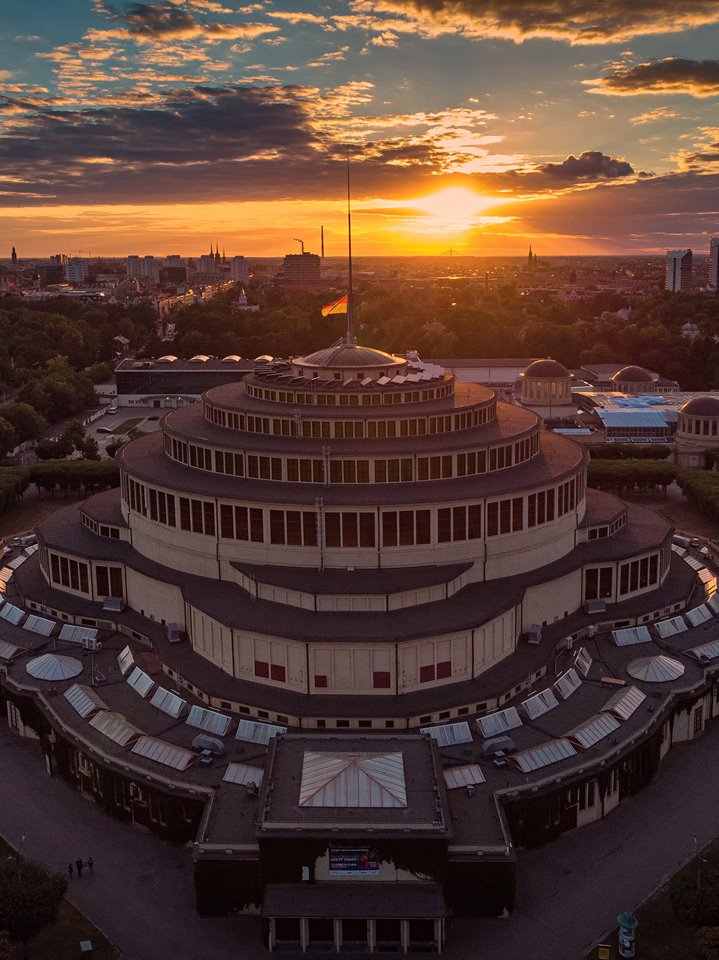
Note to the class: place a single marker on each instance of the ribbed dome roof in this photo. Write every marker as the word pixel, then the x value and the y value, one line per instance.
pixel 53 666
pixel 349 355
pixel 659 669
pixel 701 407
pixel 542 369
pixel 633 374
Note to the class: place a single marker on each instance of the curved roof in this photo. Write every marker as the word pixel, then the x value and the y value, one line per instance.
pixel 659 669
pixel 349 355
pixel 545 369
pixel 53 666
pixel 701 407
pixel 633 374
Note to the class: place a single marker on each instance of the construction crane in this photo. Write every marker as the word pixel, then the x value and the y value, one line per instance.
pixel 301 243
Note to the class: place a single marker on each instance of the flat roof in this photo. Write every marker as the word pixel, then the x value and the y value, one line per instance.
pixel 423 809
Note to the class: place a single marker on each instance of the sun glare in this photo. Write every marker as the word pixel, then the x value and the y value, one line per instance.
pixel 454 210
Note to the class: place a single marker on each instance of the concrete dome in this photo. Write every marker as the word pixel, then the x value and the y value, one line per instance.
pixel 544 369
pixel 701 407
pixel 633 374
pixel 349 355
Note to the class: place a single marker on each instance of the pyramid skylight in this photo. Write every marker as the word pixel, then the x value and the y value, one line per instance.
pixel 352 780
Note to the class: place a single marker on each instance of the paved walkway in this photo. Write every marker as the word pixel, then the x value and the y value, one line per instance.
pixel 141 893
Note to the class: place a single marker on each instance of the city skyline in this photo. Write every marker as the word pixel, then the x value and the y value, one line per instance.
pixel 583 128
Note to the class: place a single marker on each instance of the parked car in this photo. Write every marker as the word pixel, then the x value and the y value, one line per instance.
pixel 104 429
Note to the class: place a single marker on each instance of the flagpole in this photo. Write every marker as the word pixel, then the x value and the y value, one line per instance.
pixel 350 330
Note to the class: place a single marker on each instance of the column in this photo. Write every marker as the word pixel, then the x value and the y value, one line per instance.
pixel 338 935
pixel 272 938
pixel 372 935
pixel 404 935
pixel 304 934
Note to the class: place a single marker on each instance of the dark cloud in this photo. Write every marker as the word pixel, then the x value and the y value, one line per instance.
pixel 155 19
pixel 699 78
pixel 640 215
pixel 237 143
pixel 589 165
pixel 199 144
pixel 166 20
pixel 577 21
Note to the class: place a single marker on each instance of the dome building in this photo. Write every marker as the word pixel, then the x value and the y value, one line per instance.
pixel 633 379
pixel 326 607
pixel 546 388
pixel 697 430
pixel 356 526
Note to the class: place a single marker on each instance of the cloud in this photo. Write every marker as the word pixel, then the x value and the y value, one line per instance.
pixel 573 21
pixel 146 22
pixel 659 113
pixel 589 165
pixel 697 78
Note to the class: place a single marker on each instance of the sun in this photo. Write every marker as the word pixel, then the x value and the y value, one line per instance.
pixel 454 210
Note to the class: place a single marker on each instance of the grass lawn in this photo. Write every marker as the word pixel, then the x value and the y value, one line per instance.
pixel 679 512
pixel 688 520
pixel 660 936
pixel 61 941
pixel 23 516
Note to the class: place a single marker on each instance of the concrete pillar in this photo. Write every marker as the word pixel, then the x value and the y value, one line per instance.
pixel 272 938
pixel 438 935
pixel 304 934
pixel 372 935
pixel 404 935
pixel 338 935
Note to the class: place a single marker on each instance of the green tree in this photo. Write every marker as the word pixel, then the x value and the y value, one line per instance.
pixel 8 437
pixel 28 423
pixel 74 433
pixel 6 948
pixel 30 897
pixel 707 943
pixel 90 449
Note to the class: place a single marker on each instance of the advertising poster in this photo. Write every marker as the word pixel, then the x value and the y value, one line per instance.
pixel 352 862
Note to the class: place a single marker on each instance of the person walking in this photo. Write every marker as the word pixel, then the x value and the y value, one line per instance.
pixel 69 870
pixel 90 863
pixel 78 867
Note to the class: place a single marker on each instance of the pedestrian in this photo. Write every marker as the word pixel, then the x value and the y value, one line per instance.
pixel 78 867
pixel 89 863
pixel 69 870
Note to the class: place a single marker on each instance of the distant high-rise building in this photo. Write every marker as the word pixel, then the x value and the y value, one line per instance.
pixel 13 256
pixel 714 263
pixel 76 271
pixel 140 266
pixel 240 270
pixel 679 270
pixel 302 269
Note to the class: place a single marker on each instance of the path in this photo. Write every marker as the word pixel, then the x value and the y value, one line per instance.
pixel 141 894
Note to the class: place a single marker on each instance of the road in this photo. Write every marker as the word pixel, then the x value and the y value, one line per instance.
pixel 569 893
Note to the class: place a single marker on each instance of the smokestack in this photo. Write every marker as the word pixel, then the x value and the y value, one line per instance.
pixel 322 242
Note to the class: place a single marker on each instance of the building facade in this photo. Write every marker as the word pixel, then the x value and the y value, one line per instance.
pixel 356 573
pixel 679 270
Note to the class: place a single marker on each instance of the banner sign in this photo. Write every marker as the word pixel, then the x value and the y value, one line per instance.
pixel 351 862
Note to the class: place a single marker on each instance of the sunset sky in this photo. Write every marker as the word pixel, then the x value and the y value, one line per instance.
pixel 579 126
